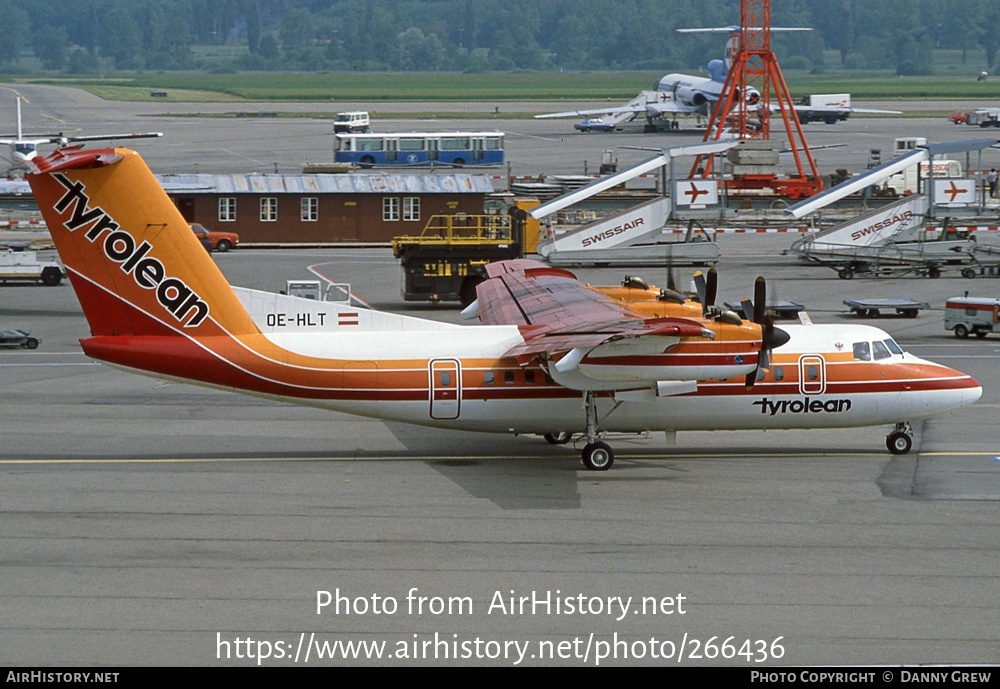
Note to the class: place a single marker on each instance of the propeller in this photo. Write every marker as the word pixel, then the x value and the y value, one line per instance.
pixel 771 336
pixel 707 289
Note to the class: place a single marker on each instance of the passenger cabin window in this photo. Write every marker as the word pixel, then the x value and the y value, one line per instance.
pixel 445 379
pixel 488 378
pixel 529 377
pixel 812 373
pixel 508 378
pixel 880 350
pixel 862 351
pixel 778 373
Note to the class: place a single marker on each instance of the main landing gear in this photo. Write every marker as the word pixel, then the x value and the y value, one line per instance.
pixel 597 455
pixel 900 440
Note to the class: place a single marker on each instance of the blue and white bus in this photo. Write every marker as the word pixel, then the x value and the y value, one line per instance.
pixel 454 149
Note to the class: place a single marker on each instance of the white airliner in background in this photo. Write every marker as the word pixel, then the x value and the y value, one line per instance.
pixel 687 94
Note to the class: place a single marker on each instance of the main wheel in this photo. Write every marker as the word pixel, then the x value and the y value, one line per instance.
pixel 598 456
pixel 558 438
pixel 899 443
pixel 51 276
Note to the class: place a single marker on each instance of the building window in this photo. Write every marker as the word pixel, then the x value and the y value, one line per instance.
pixel 310 209
pixel 268 209
pixel 411 208
pixel 390 208
pixel 227 209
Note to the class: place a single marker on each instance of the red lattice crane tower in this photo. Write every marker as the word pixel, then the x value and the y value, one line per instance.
pixel 753 91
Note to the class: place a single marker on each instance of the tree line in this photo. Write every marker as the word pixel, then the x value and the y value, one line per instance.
pixel 84 36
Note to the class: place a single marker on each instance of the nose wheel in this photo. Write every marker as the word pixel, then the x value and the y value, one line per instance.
pixel 900 440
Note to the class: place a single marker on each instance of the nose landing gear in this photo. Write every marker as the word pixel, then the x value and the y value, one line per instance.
pixel 900 440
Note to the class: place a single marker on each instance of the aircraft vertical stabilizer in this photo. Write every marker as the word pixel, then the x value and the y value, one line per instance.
pixel 138 268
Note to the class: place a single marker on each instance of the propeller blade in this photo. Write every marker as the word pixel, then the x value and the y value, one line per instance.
pixel 759 300
pixel 747 307
pixel 712 288
pixel 700 288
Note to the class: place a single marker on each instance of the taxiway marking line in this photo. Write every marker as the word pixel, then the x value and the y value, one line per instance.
pixel 427 458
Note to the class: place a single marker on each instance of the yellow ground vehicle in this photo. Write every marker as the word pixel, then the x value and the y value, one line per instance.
pixel 447 260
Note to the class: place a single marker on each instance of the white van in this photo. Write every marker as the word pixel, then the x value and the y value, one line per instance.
pixel 977 315
pixel 351 122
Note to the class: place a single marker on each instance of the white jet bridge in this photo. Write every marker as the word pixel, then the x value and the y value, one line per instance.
pixel 638 235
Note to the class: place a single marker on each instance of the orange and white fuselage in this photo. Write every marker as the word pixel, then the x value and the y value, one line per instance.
pixel 157 303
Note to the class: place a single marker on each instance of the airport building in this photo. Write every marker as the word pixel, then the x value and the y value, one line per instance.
pixel 324 208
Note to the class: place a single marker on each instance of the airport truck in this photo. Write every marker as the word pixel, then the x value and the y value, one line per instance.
pixel 984 117
pixel 24 266
pixel 972 315
pixel 447 261
pixel 824 107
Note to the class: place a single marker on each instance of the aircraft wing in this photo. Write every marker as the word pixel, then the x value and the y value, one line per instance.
pixel 558 313
pixel 819 110
pixel 107 137
pixel 587 113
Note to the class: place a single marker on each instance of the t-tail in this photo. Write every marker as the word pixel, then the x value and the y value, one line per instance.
pixel 151 293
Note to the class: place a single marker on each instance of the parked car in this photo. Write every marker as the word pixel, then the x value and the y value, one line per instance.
pixel 17 338
pixel 959 116
pixel 594 124
pixel 215 241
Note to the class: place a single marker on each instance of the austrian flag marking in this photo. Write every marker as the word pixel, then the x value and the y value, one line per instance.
pixel 180 301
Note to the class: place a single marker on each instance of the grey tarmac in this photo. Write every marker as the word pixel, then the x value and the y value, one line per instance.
pixel 149 524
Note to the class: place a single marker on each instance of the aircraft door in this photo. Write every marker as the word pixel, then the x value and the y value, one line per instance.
pixel 812 374
pixel 445 388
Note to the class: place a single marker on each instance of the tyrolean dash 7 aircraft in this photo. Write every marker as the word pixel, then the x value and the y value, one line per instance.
pixel 552 356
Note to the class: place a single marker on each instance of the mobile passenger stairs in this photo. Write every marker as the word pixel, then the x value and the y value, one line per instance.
pixel 640 235
pixel 903 237
pixel 890 241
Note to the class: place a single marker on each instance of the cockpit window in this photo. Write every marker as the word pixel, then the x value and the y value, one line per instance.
pixel 862 352
pixel 881 351
pixel 893 347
